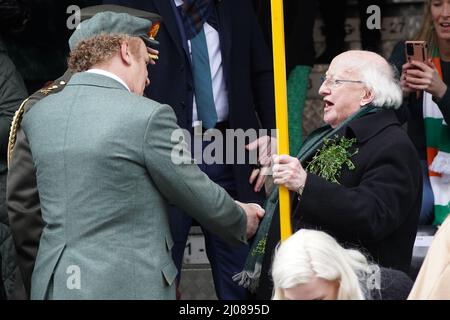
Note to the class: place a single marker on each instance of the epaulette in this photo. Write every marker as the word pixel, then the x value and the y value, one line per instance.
pixel 49 89
pixel 15 124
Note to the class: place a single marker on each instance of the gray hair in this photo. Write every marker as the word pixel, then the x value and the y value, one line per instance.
pixel 376 73
pixel 384 84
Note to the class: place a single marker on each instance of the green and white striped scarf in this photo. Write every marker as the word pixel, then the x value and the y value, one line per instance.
pixel 437 135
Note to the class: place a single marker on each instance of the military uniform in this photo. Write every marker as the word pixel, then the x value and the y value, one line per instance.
pixel 22 195
pixel 106 171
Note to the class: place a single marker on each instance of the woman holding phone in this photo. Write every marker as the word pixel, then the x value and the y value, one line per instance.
pixel 428 114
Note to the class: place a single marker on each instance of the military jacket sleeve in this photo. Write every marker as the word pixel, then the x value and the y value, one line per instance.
pixel 180 180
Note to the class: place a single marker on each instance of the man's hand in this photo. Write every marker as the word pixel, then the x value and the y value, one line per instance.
pixel 289 172
pixel 266 147
pixel 254 214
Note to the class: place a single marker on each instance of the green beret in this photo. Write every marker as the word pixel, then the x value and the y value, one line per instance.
pixel 112 23
pixel 89 12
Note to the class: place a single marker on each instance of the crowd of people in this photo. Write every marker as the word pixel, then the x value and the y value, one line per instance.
pixel 98 197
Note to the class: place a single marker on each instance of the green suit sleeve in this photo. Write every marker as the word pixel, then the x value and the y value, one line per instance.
pixel 183 184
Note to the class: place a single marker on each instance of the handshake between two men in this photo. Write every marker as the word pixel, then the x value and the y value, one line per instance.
pixel 254 213
pixel 284 169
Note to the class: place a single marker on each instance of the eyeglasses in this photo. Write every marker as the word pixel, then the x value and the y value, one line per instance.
pixel 333 83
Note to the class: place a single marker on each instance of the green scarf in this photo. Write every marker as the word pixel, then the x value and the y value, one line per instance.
pixel 249 277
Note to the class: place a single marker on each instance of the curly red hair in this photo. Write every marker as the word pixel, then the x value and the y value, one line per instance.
pixel 99 49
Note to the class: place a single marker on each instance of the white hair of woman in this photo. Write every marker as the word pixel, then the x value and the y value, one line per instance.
pixel 309 254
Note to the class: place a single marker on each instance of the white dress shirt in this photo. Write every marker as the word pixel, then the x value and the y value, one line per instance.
pixel 220 92
pixel 109 75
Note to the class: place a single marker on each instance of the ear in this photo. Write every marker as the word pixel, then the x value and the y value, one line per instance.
pixel 367 97
pixel 125 53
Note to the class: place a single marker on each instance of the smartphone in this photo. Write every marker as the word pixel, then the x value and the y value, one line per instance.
pixel 416 51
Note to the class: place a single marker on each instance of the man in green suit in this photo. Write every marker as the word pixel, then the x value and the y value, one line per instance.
pixel 23 202
pixel 106 173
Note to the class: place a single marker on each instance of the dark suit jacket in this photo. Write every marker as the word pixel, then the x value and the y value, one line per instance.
pixel 247 68
pixel 376 206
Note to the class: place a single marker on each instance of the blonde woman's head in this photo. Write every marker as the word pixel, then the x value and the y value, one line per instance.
pixel 311 265
pixel 435 27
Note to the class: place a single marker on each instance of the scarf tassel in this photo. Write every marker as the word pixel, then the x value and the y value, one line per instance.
pixel 249 279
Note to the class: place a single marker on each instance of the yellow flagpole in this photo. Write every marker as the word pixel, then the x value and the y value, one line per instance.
pixel 279 70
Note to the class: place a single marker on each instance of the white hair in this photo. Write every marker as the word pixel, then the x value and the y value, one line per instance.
pixel 310 253
pixel 376 73
pixel 382 81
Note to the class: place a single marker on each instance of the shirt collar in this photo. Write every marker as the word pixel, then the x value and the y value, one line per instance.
pixel 178 2
pixel 109 75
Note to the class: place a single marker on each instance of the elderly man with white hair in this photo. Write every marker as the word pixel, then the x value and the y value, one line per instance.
pixel 357 178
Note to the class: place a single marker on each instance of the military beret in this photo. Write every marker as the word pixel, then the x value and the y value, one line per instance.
pixel 96 21
pixel 89 12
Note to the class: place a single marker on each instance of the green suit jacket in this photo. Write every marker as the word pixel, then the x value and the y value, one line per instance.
pixel 106 170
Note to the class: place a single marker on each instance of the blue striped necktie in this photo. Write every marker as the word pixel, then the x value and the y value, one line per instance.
pixel 206 109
